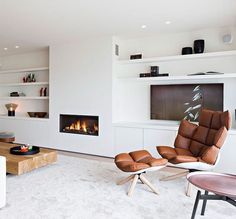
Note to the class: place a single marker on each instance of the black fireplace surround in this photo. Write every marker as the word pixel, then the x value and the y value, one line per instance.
pixel 79 124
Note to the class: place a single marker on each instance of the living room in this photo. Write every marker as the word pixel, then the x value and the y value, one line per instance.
pixel 80 86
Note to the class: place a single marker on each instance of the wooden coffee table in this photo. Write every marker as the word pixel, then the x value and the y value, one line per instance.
pixel 18 164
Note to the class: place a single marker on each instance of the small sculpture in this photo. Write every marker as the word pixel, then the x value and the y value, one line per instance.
pixel 41 92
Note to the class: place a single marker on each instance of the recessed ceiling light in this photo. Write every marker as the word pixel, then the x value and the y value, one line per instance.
pixel 5 48
pixel 144 26
pixel 17 47
pixel 168 22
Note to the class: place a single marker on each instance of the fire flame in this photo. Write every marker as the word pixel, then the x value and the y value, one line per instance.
pixel 82 126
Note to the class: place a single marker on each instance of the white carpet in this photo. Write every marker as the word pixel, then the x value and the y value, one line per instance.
pixel 80 188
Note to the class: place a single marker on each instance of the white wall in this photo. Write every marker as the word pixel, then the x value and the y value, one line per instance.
pixel 25 60
pixel 172 43
pixel 81 83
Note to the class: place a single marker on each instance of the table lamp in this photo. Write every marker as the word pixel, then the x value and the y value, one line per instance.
pixel 11 107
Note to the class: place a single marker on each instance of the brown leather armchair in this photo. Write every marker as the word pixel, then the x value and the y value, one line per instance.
pixel 197 147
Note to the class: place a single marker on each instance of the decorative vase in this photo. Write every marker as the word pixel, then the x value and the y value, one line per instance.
pixel 187 50
pixel 199 46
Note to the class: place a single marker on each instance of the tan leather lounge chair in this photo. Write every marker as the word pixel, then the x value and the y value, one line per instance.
pixel 197 147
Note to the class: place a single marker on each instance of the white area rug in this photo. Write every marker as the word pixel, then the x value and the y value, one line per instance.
pixel 80 188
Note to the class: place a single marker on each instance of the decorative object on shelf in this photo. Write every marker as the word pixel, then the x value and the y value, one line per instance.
pixel 37 114
pixel 154 71
pixel 144 75
pixel 162 75
pixel 14 94
pixel 206 73
pixel 148 75
pixel 11 107
pixel 29 78
pixel 17 94
pixel 187 50
pixel 199 46
pixel 45 92
pixel 24 150
pixel 136 56
pixel 41 91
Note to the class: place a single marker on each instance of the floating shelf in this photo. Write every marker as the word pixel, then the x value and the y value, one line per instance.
pixel 23 118
pixel 24 70
pixel 175 78
pixel 24 98
pixel 180 57
pixel 23 84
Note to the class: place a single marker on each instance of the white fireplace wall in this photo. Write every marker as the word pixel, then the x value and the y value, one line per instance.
pixel 81 84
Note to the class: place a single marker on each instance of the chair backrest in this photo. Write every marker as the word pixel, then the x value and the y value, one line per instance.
pixel 211 131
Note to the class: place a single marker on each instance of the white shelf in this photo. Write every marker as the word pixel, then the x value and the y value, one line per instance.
pixel 23 84
pixel 23 70
pixel 179 57
pixel 176 78
pixel 24 98
pixel 23 118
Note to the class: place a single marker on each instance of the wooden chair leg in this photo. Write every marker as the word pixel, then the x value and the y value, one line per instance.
pixel 131 190
pixel 189 189
pixel 172 177
pixel 123 181
pixel 145 181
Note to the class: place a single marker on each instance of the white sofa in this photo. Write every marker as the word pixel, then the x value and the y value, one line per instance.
pixel 2 181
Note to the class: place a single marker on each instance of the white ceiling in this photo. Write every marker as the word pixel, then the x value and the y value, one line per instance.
pixel 39 23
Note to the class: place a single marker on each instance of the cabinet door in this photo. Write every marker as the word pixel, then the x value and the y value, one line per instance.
pixel 128 139
pixel 153 138
pixel 227 162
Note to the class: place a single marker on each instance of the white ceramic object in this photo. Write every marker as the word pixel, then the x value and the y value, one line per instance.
pixel 2 181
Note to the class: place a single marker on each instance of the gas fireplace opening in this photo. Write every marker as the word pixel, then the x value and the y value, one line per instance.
pixel 79 124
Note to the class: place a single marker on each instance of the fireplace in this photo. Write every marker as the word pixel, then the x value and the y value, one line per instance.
pixel 79 124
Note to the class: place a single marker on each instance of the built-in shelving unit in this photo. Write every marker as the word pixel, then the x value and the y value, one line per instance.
pixel 180 57
pixel 11 80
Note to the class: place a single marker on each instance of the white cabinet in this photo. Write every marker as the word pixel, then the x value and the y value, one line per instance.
pixel 131 137
pixel 127 139
pixel 227 162
pixel 155 137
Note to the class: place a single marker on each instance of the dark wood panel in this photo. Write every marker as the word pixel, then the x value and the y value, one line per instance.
pixel 168 102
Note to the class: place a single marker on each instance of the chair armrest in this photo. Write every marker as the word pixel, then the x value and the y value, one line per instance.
pixel 210 155
pixel 2 181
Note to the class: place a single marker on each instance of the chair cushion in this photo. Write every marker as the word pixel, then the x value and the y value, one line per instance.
pixel 176 155
pixel 137 160
pixel 183 159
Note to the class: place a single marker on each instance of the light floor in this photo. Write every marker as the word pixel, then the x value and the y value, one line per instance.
pixel 77 187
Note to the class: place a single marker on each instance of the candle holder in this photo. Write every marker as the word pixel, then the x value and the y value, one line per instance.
pixel 11 107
